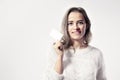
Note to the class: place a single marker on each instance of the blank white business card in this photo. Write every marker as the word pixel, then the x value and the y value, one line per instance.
pixel 56 35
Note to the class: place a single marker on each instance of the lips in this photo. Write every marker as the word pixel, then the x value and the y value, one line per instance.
pixel 76 32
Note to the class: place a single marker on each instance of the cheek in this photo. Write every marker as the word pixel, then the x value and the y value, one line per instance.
pixel 69 30
pixel 83 28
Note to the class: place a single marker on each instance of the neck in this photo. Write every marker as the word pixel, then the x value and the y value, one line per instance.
pixel 78 44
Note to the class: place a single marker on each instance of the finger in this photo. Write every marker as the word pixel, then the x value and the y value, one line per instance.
pixel 60 48
pixel 62 41
pixel 54 43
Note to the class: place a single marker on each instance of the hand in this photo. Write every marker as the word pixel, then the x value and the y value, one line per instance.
pixel 58 46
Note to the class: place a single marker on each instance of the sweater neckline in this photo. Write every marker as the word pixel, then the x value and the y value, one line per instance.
pixel 80 50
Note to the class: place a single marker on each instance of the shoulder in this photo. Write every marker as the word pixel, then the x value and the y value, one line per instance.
pixel 97 55
pixel 96 52
pixel 95 49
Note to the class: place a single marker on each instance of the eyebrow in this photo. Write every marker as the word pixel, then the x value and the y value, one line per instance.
pixel 78 20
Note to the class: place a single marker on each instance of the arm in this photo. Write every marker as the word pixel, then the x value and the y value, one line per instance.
pixel 58 47
pixel 59 64
pixel 54 66
pixel 101 74
pixel 101 69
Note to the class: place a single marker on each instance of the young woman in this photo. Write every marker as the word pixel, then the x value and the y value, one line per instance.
pixel 73 58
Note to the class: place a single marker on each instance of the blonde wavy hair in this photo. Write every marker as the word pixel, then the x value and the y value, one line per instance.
pixel 86 38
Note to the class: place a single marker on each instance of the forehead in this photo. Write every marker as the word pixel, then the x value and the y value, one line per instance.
pixel 75 16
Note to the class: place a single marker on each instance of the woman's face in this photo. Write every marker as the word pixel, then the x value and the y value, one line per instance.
pixel 76 25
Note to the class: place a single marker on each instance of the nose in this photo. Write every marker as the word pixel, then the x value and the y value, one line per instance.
pixel 75 26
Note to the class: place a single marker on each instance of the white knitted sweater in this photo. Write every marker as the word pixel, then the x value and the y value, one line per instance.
pixel 83 64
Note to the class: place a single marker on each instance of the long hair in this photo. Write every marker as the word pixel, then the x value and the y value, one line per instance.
pixel 66 37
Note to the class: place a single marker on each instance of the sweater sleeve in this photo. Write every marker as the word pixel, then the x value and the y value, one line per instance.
pixel 101 69
pixel 50 73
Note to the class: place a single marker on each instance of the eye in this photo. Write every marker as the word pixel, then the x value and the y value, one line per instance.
pixel 80 22
pixel 70 23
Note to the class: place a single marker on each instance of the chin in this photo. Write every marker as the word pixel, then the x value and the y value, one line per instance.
pixel 76 38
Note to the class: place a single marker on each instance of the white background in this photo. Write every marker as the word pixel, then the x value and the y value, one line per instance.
pixel 24 34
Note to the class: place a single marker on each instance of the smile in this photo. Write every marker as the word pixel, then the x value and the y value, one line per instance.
pixel 77 32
